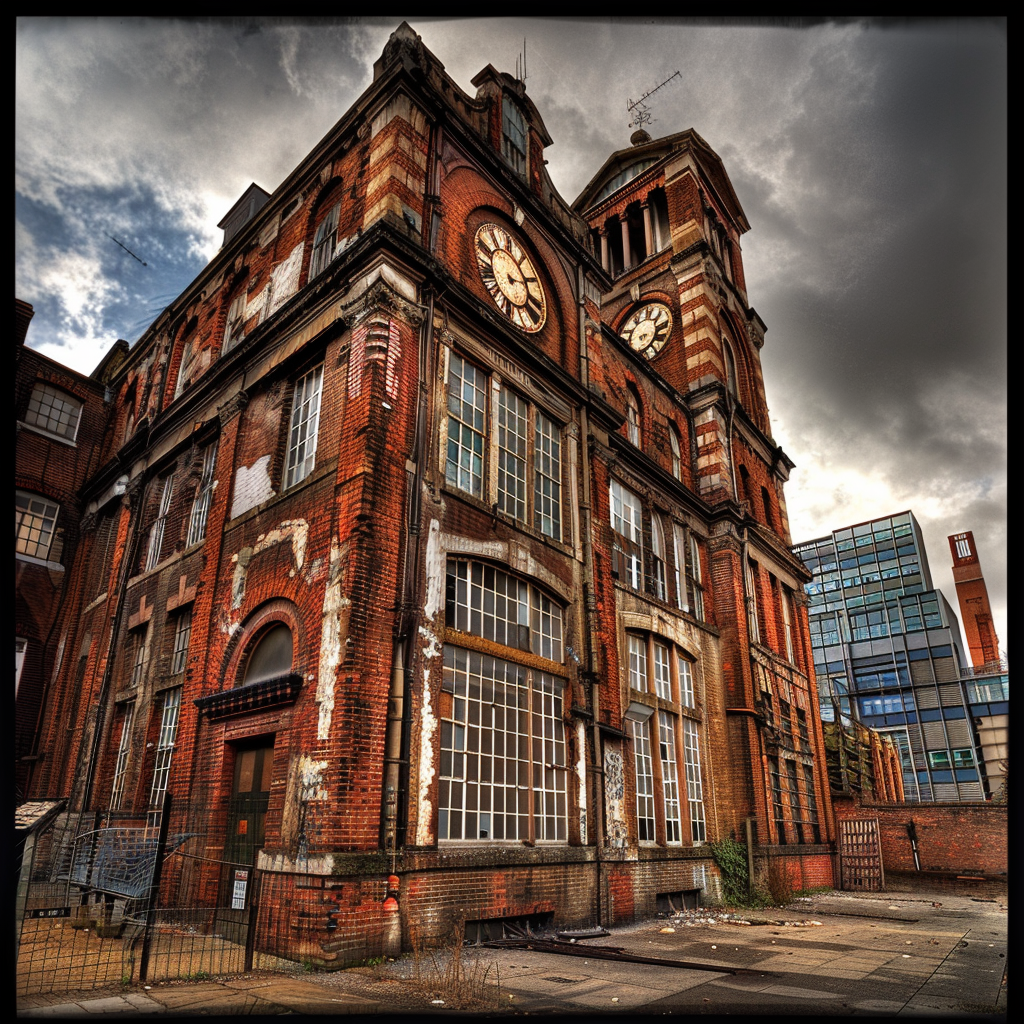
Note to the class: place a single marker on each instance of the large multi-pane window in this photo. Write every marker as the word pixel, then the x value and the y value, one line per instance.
pixel 527 483
pixel 182 633
pixel 164 751
pixel 234 326
pixel 305 421
pixel 156 531
pixel 503 758
pixel 627 552
pixel 121 764
pixel 35 519
pixel 53 411
pixel 661 685
pixel 204 495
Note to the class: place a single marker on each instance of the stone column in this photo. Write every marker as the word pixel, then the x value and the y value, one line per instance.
pixel 627 256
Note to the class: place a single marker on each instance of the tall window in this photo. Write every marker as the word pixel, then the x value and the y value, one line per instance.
pixel 35 519
pixel 190 366
pixel 645 826
pixel 632 417
pixel 512 445
pixel 670 775
pixel 182 633
pixel 204 495
pixel 688 573
pixel 547 480
pixel 658 583
pixel 467 411
pixel 787 621
pixel 140 655
pixel 752 627
pixel 121 764
pixel 694 791
pixel 661 686
pixel 305 422
pixel 513 135
pixel 234 327
pixel 730 367
pixel 503 755
pixel 325 242
pixel 627 552
pixel 53 411
pixel 677 452
pixel 156 531
pixel 164 752
pixel 527 443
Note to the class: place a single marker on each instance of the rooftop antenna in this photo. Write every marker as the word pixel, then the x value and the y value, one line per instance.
pixel 127 250
pixel 521 64
pixel 638 108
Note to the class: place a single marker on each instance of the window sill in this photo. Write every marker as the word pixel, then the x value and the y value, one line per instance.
pixel 69 441
pixel 32 560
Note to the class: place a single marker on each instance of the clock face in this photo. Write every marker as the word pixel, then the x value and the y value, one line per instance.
pixel 510 278
pixel 648 329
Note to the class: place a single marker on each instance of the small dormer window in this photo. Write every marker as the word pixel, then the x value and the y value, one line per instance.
pixel 513 135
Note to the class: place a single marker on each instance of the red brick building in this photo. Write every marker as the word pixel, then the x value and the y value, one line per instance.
pixel 60 418
pixel 438 532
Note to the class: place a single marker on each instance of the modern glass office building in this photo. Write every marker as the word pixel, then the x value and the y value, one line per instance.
pixel 888 653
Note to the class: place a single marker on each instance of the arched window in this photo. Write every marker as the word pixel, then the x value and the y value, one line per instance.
pixel 633 416
pixel 271 657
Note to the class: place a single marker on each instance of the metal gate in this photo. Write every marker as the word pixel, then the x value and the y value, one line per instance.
pixel 89 914
pixel 860 855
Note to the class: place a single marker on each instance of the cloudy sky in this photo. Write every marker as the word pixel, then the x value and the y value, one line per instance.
pixel 870 159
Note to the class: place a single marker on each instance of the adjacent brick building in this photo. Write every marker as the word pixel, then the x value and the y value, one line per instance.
pixel 437 532
pixel 60 417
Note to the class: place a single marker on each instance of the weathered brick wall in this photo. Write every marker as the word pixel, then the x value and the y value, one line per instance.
pixel 968 838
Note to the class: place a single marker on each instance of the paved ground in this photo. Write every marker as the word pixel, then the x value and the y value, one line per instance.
pixel 889 954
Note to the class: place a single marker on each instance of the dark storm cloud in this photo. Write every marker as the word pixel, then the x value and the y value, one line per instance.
pixel 869 157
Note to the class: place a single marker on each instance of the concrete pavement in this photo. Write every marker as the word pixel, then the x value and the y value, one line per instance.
pixel 888 954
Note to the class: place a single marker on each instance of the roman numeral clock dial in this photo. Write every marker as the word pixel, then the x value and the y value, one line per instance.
pixel 510 278
pixel 648 329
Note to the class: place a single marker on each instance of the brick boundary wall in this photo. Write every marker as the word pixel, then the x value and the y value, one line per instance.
pixel 959 839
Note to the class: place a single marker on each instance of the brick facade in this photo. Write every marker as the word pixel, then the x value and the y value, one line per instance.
pixel 437 576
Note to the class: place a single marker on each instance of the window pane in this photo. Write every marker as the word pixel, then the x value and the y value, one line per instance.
pixel 644 781
pixel 694 790
pixel 669 776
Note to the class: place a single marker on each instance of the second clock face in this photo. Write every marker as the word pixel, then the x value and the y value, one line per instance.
pixel 648 328
pixel 510 277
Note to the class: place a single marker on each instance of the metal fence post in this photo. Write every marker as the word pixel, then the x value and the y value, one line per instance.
pixel 154 887
pixel 254 914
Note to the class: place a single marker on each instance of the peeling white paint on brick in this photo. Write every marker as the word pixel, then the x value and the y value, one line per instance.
pixel 428 726
pixel 581 778
pixel 435 572
pixel 311 778
pixel 330 642
pixel 315 865
pixel 252 486
pixel 294 530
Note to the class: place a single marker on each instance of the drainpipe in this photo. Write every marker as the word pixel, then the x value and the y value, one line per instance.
pixel 597 768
